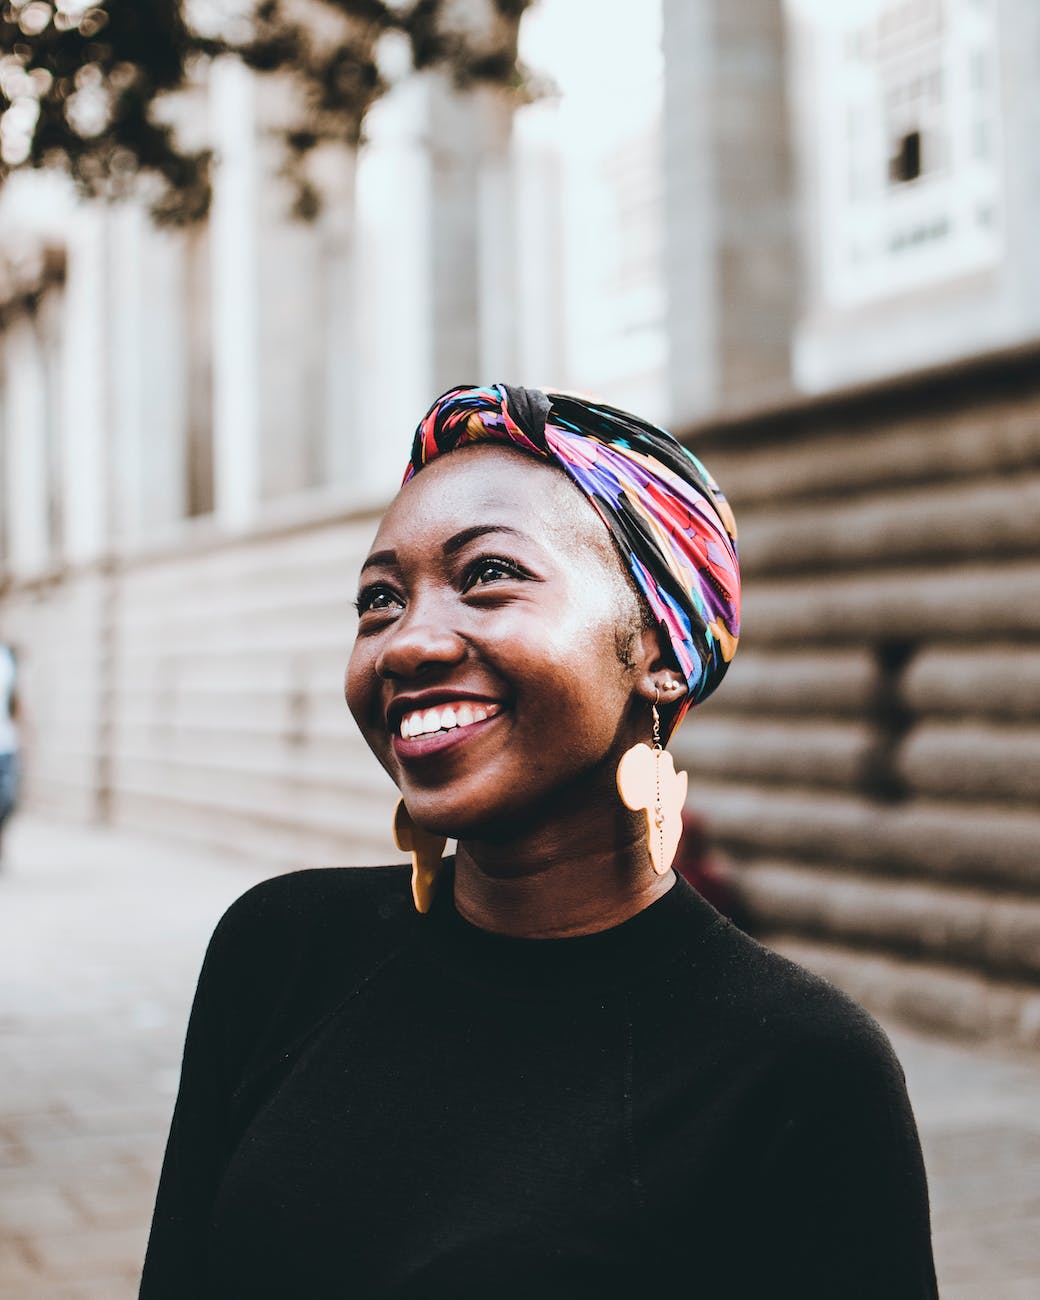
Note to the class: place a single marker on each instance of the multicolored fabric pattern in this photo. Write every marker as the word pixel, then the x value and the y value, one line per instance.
pixel 672 525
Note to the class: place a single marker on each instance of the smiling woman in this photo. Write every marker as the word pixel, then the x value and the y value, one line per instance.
pixel 544 1066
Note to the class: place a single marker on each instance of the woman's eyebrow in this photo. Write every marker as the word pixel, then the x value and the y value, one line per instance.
pixel 380 559
pixel 462 538
pixel 454 544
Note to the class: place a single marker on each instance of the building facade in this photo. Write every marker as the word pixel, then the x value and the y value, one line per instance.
pixel 722 209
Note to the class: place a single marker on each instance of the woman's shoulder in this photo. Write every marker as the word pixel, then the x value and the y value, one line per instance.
pixel 319 892
pixel 315 913
pixel 762 997
pixel 287 951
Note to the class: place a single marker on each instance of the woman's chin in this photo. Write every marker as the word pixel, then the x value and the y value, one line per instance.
pixel 462 819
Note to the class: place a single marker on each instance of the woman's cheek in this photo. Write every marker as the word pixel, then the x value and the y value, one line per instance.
pixel 361 687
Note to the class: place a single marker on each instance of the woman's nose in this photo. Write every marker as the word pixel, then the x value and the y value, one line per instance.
pixel 421 639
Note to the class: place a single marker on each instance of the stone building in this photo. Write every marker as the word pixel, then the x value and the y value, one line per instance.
pixel 801 237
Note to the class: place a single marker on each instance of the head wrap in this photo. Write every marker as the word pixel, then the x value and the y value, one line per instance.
pixel 672 525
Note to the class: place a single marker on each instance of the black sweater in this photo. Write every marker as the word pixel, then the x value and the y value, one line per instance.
pixel 377 1103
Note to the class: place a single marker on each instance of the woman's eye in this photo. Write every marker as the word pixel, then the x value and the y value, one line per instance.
pixel 376 599
pixel 490 569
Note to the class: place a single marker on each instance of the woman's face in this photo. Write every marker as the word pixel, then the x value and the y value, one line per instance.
pixel 489 674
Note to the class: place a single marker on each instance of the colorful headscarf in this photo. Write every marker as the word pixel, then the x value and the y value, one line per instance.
pixel 672 525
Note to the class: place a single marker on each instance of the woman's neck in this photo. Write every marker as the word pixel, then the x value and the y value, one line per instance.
pixel 575 876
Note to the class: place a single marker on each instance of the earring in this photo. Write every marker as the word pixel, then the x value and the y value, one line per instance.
pixel 647 781
pixel 426 849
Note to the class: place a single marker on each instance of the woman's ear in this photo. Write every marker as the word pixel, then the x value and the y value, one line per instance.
pixel 658 674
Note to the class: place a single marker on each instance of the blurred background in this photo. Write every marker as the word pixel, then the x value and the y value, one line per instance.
pixel 243 245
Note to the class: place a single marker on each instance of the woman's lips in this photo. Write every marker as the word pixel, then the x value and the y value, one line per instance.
pixel 431 731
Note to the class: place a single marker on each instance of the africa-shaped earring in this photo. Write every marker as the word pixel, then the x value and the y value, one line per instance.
pixel 426 849
pixel 647 781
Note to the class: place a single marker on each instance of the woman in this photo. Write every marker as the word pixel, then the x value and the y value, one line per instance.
pixel 548 1068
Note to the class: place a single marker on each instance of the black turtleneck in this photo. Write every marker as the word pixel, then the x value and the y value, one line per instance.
pixel 375 1103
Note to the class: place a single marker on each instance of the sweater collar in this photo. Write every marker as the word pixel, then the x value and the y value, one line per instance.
pixel 675 922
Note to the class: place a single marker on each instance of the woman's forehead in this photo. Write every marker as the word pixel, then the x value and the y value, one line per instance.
pixel 487 485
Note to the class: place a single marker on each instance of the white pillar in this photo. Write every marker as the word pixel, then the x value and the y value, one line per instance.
pixel 588 213
pixel 83 395
pixel 25 471
pixel 163 421
pixel 126 383
pixel 436 291
pixel 691 210
pixel 731 254
pixel 339 294
pixel 124 402
pixel 496 236
pixel 236 368
pixel 542 360
pixel 395 319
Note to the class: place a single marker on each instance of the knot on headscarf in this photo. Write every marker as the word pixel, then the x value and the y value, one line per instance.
pixel 670 522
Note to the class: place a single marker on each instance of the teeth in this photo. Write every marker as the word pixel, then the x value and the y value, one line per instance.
pixel 424 722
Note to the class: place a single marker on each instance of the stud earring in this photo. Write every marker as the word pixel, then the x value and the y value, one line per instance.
pixel 648 782
pixel 426 849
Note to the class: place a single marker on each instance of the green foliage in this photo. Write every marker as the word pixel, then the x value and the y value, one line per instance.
pixel 90 88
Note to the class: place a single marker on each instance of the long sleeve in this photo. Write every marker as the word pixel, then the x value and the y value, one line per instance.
pixel 281 959
pixel 839 1197
pixel 175 1263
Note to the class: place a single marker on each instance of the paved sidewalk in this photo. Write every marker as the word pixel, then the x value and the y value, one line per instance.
pixel 101 937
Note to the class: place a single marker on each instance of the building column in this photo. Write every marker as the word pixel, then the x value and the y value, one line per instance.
pixel 84 422
pixel 162 485
pixel 730 241
pixel 25 467
pixel 435 290
pixel 126 386
pixel 499 342
pixel 394 289
pixel 341 372
pixel 236 364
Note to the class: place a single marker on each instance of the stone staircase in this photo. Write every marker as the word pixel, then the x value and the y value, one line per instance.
pixel 871 767
pixel 209 700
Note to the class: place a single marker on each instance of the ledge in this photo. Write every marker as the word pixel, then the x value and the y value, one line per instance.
pixel 997 375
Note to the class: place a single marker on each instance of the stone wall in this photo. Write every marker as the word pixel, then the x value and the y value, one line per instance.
pixel 871 767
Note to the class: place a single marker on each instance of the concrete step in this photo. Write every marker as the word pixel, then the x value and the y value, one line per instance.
pixel 907 603
pixel 962 441
pixel 321 555
pixel 331 760
pixel 255 835
pixel 972 761
pixel 923 994
pixel 986 844
pixel 253 667
pixel 828 754
pixel 947 523
pixel 328 801
pixel 1002 682
pixel 798 682
pixel 998 933
pixel 320 622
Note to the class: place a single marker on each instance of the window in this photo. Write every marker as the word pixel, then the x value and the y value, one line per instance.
pixel 905 131
pixel 905 165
